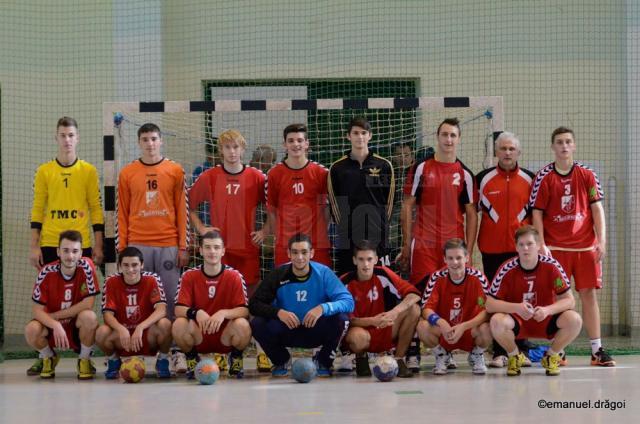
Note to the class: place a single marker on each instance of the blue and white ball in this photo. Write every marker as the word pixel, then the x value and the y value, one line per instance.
pixel 385 368
pixel 303 370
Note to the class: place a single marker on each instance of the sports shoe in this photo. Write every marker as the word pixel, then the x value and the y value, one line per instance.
pixel 281 370
pixel 113 368
pixel 499 361
pixel 527 361
pixel 162 368
pixel 178 362
pixel 49 367
pixel 403 370
pixel 551 363
pixel 221 360
pixel 563 359
pixel 451 362
pixel 36 368
pixel 321 370
pixel 263 364
pixel 345 363
pixel 514 363
pixel 362 366
pixel 413 363
pixel 476 360
pixel 86 369
pixel 237 365
pixel 440 368
pixel 191 368
pixel 602 359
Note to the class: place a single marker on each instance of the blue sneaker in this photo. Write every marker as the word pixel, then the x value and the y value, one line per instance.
pixel 321 370
pixel 113 368
pixel 162 368
pixel 280 370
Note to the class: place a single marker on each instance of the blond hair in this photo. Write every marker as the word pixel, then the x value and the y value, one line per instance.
pixel 230 136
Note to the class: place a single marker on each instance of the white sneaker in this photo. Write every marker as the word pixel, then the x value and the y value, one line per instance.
pixel 441 355
pixel 499 361
pixel 451 363
pixel 178 362
pixel 476 360
pixel 345 363
pixel 413 363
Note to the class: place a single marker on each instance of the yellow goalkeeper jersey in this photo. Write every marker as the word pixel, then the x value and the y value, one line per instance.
pixel 66 198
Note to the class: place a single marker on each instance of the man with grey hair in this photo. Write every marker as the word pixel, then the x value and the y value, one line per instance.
pixel 503 192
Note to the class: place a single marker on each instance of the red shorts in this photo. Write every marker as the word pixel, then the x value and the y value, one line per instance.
pixel 247 265
pixel 319 255
pixel 582 266
pixel 144 351
pixel 532 329
pixel 381 339
pixel 211 343
pixel 425 260
pixel 73 335
pixel 465 343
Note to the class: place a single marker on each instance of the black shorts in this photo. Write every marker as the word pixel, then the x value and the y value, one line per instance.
pixel 50 254
pixel 492 261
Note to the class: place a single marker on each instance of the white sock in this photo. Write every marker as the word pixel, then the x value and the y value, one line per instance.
pixel 514 353
pixel 47 352
pixel 162 355
pixel 477 350
pixel 596 344
pixel 85 351
pixel 113 356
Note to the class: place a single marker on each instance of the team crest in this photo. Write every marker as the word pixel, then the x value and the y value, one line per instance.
pixel 455 317
pixel 152 199
pixel 480 302
pixel 593 193
pixel 133 313
pixel 530 298
pixel 568 203
pixel 374 172
pixel 558 283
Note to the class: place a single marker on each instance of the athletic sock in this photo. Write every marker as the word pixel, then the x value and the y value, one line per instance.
pixel 47 352
pixel 514 353
pixel 192 354
pixel 551 352
pixel 113 356
pixel 163 355
pixel 477 350
pixel 85 351
pixel 596 344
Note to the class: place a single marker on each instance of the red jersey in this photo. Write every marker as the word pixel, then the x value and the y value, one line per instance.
pixel 456 302
pixel 56 292
pixel 132 303
pixel 538 286
pixel 233 199
pixel 299 198
pixel 566 204
pixel 503 199
pixel 379 294
pixel 211 293
pixel 441 190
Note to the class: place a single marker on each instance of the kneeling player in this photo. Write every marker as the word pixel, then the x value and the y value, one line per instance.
pixel 456 293
pixel 63 314
pixel 211 309
pixel 386 310
pixel 530 297
pixel 134 309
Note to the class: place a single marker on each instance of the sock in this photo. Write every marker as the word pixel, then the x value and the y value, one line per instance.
pixel 235 353
pixel 596 344
pixel 113 356
pixel 551 352
pixel 163 355
pixel 85 351
pixel 192 354
pixel 477 350
pixel 47 352
pixel 514 353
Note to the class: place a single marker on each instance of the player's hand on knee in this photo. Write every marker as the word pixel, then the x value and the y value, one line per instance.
pixel 386 319
pixel 540 313
pixel 125 339
pixel 202 318
pixel 35 258
pixel 525 310
pixel 216 321
pixel 136 339
pixel 455 334
pixel 312 317
pixel 60 337
pixel 289 319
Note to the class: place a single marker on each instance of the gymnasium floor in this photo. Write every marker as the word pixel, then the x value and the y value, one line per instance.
pixel 493 398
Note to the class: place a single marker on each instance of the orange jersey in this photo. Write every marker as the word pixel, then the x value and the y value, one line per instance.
pixel 152 205
pixel 504 198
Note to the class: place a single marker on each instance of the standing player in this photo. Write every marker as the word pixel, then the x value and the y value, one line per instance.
pixel 297 197
pixel 134 309
pixel 300 304
pixel 457 293
pixel 566 198
pixel 531 297
pixel 233 191
pixel 386 310
pixel 503 200
pixel 211 309
pixel 66 196
pixel 63 315
pixel 361 188
pixel 441 190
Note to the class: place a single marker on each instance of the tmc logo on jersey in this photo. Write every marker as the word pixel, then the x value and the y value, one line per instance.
pixel 568 203
pixel 133 313
pixel 66 214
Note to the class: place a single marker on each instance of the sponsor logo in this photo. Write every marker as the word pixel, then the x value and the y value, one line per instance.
pixel 374 172
pixel 66 214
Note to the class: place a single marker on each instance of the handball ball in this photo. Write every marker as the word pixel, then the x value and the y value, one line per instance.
pixel 303 370
pixel 132 369
pixel 207 372
pixel 385 368
pixel 117 119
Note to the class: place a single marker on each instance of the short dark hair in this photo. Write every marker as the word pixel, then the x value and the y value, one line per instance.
pixel 454 122
pixel 359 121
pixel 527 229
pixel 454 243
pixel 149 127
pixel 71 235
pixel 561 130
pixel 210 235
pixel 67 121
pixel 130 252
pixel 294 128
pixel 363 245
pixel 299 238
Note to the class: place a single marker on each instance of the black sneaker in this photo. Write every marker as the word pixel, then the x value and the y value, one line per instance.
pixel 362 366
pixel 602 359
pixel 403 370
